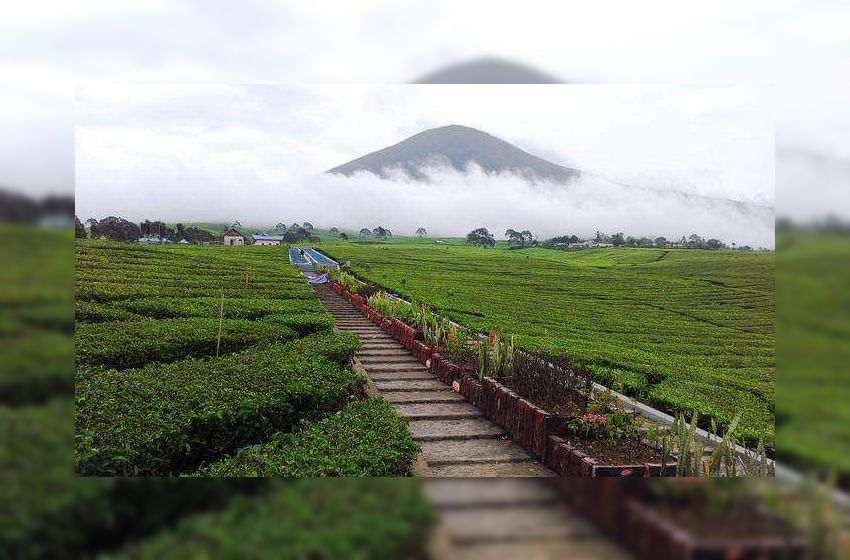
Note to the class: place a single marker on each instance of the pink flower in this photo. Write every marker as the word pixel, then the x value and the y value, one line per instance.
pixel 593 418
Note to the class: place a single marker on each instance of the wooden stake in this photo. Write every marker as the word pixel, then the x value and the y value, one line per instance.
pixel 220 324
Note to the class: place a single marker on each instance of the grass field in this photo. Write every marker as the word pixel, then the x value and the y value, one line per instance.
pixel 185 355
pixel 679 329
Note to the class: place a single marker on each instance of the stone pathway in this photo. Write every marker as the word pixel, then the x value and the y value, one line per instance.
pixel 511 518
pixel 482 518
pixel 456 439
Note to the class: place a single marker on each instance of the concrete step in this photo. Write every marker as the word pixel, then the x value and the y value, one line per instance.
pixel 466 428
pixel 471 493
pixel 413 365
pixel 545 549
pixel 410 385
pixel 400 376
pixel 405 360
pixel 533 523
pixel 378 344
pixel 461 452
pixel 410 397
pixel 529 469
pixel 435 411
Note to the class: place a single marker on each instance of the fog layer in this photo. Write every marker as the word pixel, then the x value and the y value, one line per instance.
pixel 452 204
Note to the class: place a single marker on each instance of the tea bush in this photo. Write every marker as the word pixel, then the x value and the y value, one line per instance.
pixel 36 368
pixel 47 512
pixel 235 308
pixel 164 419
pixel 122 345
pixel 374 518
pixel 366 438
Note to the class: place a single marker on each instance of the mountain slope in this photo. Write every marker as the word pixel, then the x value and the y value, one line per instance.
pixel 456 146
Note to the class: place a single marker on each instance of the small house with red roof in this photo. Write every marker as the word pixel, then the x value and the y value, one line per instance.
pixel 233 237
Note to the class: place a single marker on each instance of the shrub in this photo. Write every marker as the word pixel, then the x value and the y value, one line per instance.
pixel 94 312
pixel 381 519
pixel 46 512
pixel 122 345
pixel 234 308
pixel 303 323
pixel 36 368
pixel 164 419
pixel 366 438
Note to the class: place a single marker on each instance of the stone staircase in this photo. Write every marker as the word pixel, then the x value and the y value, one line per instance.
pixel 456 439
pixel 515 516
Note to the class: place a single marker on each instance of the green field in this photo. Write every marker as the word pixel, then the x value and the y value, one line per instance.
pixel 813 416
pixel 680 329
pixel 189 356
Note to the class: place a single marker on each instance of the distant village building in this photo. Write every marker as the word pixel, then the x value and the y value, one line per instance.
pixel 183 242
pixel 233 237
pixel 154 240
pixel 584 245
pixel 264 239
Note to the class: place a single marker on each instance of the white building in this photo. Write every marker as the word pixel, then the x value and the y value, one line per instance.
pixel 233 237
pixel 268 239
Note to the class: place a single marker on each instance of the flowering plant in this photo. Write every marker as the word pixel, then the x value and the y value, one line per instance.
pixel 591 425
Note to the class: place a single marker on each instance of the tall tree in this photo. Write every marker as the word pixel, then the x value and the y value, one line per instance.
pixel 343 236
pixel 526 237
pixel 421 232
pixel 79 228
pixel 333 230
pixel 119 229
pixel 365 232
pixel 308 226
pixel 513 235
pixel 280 226
pixel 480 237
pixel 382 233
pixel 617 239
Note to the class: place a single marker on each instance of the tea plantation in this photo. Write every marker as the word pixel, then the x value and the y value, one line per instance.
pixel 679 329
pixel 156 391
pixel 813 419
pixel 185 355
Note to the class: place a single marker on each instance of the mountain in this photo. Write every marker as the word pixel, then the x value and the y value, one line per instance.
pixel 457 145
pixel 487 71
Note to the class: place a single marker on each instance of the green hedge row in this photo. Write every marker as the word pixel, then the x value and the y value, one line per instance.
pixel 95 312
pixel 47 512
pixel 114 291
pixel 166 419
pixel 36 368
pixel 233 308
pixel 375 519
pixel 303 323
pixel 366 438
pixel 122 345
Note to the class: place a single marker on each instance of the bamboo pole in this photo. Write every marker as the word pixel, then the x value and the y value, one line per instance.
pixel 220 324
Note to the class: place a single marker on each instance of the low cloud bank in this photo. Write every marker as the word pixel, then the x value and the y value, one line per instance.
pixel 452 204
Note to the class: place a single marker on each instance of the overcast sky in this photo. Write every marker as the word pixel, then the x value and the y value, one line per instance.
pixel 257 153
pixel 49 46
pixel 140 142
